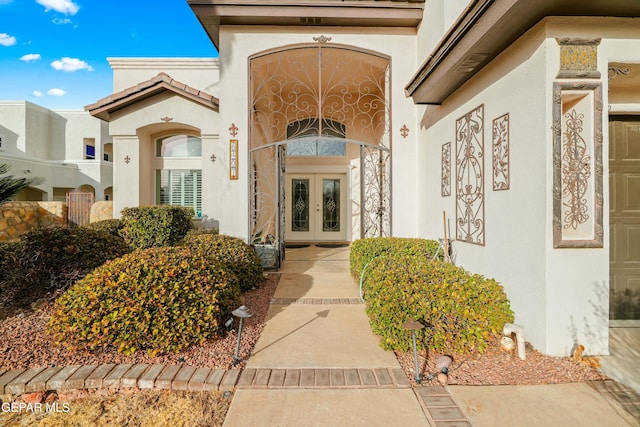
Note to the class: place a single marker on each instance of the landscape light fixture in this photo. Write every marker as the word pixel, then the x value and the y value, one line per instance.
pixel 414 325
pixel 242 313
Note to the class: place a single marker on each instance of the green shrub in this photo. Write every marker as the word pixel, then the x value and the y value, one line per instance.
pixel 365 250
pixel 14 294
pixel 239 257
pixel 200 231
pixel 111 226
pixel 158 300
pixel 156 226
pixel 461 311
pixel 56 257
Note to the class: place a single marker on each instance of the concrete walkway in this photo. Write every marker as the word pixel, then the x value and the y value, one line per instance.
pixel 317 325
pixel 317 328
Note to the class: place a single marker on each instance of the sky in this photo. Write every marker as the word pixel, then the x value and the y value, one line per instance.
pixel 54 52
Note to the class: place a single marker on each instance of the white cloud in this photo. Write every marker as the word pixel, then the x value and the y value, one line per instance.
pixel 67 7
pixel 70 65
pixel 7 40
pixel 61 21
pixel 30 57
pixel 56 92
pixel 36 93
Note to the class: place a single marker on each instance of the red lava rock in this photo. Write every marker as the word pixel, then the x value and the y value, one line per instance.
pixel 51 397
pixel 32 398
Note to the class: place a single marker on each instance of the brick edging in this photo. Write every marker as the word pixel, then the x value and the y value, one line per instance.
pixel 176 377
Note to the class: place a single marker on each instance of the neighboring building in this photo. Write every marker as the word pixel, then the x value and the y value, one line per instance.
pixel 69 150
pixel 331 121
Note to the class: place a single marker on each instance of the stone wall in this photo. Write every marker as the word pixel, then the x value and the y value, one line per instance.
pixel 17 218
pixel 101 211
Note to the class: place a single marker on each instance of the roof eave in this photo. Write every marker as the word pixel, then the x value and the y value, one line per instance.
pixel 484 30
pixel 107 106
pixel 214 13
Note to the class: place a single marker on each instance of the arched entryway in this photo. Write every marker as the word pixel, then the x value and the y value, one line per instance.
pixel 320 144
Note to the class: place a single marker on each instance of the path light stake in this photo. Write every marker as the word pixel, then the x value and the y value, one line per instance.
pixel 242 312
pixel 414 325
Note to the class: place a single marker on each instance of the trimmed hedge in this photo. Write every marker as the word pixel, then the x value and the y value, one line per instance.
pixel 156 226
pixel 112 226
pixel 365 250
pixel 239 257
pixel 55 257
pixel 461 311
pixel 158 300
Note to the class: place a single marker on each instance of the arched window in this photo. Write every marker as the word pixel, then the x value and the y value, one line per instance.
pixel 179 182
pixel 179 146
pixel 307 129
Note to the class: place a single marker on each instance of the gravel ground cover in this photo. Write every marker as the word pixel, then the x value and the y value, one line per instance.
pixel 25 344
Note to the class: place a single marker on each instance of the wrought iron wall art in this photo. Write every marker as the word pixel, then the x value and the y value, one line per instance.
pixel 577 165
pixel 500 144
pixel 445 188
pixel 233 159
pixel 470 224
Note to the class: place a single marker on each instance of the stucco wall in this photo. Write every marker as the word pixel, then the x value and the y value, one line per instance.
pixel 559 295
pixel 515 220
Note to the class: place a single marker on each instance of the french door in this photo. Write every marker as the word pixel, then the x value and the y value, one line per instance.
pixel 316 207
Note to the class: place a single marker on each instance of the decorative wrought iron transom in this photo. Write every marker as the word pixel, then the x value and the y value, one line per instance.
pixel 315 100
pixel 470 177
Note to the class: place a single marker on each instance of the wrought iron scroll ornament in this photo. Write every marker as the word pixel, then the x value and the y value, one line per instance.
pixel 446 170
pixel 578 166
pixel 127 159
pixel 576 170
pixel 614 72
pixel 233 129
pixel 470 223
pixel 500 136
pixel 322 39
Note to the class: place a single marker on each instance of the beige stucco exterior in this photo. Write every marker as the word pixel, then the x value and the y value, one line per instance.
pixel 38 142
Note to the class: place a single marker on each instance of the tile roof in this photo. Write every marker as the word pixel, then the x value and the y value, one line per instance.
pixel 146 89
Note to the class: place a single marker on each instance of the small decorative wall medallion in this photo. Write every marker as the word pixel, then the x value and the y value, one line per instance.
pixel 166 119
pixel 322 39
pixel 127 159
pixel 233 159
pixel 404 131
pixel 233 129
pixel 213 158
